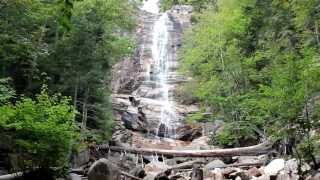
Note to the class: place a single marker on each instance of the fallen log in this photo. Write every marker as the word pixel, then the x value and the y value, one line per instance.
pixel 186 165
pixel 262 148
pixel 241 165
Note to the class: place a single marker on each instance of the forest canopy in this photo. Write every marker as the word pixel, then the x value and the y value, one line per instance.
pixel 256 64
pixel 68 46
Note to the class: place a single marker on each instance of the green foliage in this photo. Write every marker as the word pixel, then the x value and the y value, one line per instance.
pixel 256 63
pixel 70 45
pixel 43 130
pixel 197 4
pixel 6 92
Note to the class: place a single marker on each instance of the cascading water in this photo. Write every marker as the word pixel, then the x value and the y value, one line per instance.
pixel 159 70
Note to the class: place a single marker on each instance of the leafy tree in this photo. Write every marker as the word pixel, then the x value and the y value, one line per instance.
pixel 256 65
pixel 6 92
pixel 42 130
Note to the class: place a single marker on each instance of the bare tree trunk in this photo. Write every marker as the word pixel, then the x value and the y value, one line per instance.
pixel 85 109
pixel 317 32
pixel 75 96
pixel 262 148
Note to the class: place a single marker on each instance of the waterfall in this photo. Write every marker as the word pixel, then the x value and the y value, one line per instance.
pixel 159 70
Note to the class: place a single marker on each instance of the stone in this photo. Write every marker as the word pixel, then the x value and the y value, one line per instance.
pixel 291 166
pixel 274 167
pixel 80 158
pixel 162 130
pixel 254 172
pixel 263 177
pixel 229 170
pixel 197 172
pixel 138 172
pixel 247 159
pixel 315 176
pixel 188 133
pixel 102 169
pixel 305 167
pixel 73 176
pixel 285 176
pixel 240 174
pixel 155 167
pixel 215 164
pixel 216 174
pixel 149 177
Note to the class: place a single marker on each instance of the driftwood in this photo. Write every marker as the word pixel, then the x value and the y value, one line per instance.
pixel 241 165
pixel 262 148
pixel 186 165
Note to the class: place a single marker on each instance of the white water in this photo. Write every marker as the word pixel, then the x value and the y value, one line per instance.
pixel 162 61
pixel 151 6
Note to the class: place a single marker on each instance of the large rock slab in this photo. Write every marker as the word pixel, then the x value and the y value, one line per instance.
pixel 188 133
pixel 103 170
pixel 274 167
pixel 215 164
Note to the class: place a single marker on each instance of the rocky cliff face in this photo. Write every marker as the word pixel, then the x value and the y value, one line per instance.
pixel 135 95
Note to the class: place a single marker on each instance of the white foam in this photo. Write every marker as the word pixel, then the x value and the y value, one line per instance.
pixel 151 6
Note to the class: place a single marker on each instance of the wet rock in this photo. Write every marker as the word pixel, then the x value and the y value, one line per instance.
pixel 216 174
pixel 314 177
pixel 73 176
pixel 103 170
pixel 197 172
pixel 215 164
pixel 291 166
pixel 274 167
pixel 138 172
pixel 239 174
pixel 247 159
pixel 254 172
pixel 227 171
pixel 305 167
pixel 162 130
pixel 156 167
pixel 121 137
pixel 80 158
pixel 201 143
pixel 285 176
pixel 132 121
pixel 263 177
pixel 188 133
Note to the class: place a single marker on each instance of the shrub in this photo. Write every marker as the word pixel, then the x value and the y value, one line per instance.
pixel 42 130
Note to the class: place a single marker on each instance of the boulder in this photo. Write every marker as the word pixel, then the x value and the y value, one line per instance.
pixel 156 167
pixel 162 130
pixel 103 170
pixel 285 176
pixel 138 172
pixel 263 177
pixel 80 158
pixel 305 167
pixel 247 159
pixel 73 176
pixel 274 167
pixel 291 166
pixel 216 174
pixel 314 177
pixel 215 164
pixel 132 121
pixel 197 172
pixel 254 172
pixel 188 133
